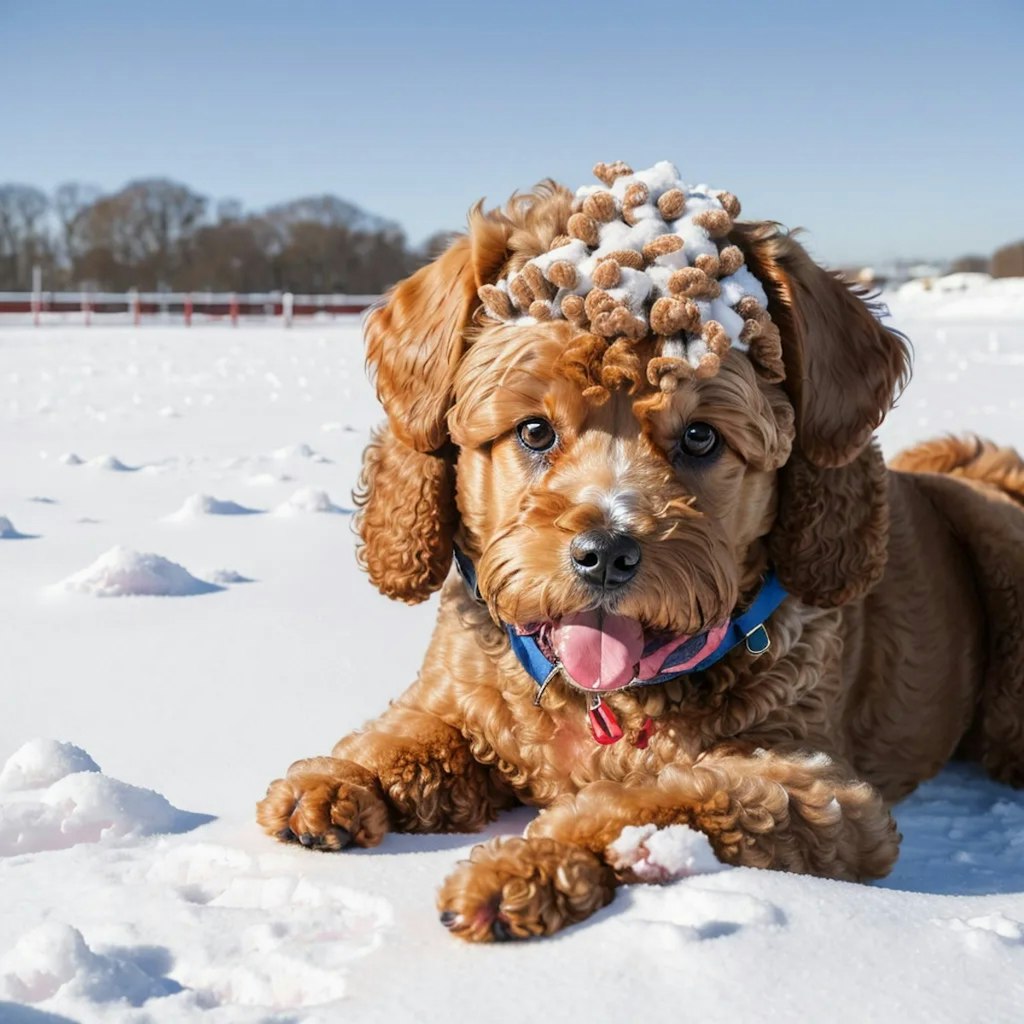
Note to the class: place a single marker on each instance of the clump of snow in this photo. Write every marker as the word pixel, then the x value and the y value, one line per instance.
pixel 663 854
pixel 54 796
pixel 197 505
pixel 54 957
pixel 681 231
pixel 122 572
pixel 309 499
pixel 71 459
pixel 8 531
pixel 42 762
pixel 110 463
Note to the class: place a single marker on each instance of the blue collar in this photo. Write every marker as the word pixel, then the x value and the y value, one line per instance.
pixel 747 627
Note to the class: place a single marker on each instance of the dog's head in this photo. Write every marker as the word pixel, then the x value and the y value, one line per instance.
pixel 590 495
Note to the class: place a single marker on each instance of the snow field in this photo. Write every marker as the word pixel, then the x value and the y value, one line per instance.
pixel 118 907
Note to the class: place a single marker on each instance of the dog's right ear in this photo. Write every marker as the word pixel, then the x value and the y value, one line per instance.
pixel 406 493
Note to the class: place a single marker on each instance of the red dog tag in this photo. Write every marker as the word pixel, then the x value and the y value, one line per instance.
pixel 603 723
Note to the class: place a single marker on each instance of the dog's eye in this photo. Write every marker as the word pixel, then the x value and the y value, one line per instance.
pixel 699 440
pixel 537 435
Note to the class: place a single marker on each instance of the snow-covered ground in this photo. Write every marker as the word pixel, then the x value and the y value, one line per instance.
pixel 214 467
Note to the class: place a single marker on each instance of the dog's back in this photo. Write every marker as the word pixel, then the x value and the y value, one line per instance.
pixel 976 489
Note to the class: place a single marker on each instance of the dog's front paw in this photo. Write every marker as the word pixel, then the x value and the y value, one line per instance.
pixel 324 804
pixel 521 888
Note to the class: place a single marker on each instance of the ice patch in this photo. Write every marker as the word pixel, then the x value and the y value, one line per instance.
pixel 309 499
pixel 55 958
pixel 122 572
pixel 54 796
pixel 198 505
pixel 42 762
pixel 663 854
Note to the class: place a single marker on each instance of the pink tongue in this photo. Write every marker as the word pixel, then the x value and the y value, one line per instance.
pixel 599 651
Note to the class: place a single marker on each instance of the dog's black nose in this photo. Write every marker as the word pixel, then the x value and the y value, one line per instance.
pixel 605 559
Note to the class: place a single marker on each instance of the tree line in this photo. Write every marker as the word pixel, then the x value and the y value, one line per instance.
pixel 155 234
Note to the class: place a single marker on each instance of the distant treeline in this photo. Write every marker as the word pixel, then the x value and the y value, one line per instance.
pixel 157 234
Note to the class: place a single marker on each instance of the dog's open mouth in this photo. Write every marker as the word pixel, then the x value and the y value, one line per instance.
pixel 600 651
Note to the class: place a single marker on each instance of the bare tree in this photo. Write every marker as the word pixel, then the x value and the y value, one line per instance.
pixel 71 203
pixel 24 237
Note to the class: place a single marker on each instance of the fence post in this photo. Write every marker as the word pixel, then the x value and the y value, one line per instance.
pixel 187 309
pixel 86 309
pixel 135 305
pixel 37 293
pixel 233 309
pixel 287 308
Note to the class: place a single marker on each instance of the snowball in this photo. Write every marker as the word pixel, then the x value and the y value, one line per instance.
pixel 662 855
pixel 122 572
pixel 41 762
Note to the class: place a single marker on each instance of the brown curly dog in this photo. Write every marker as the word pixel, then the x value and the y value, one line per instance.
pixel 605 528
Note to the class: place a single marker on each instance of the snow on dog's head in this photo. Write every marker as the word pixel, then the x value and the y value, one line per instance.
pixel 646 254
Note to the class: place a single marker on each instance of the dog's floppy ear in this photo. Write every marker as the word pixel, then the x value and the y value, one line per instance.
pixel 406 492
pixel 843 370
pixel 829 544
pixel 406 517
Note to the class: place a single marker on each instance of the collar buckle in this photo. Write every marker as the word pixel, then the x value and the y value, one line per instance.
pixel 758 641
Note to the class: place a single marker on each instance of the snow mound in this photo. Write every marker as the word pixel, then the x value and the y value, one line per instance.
pixel 198 505
pixel 54 796
pixel 71 459
pixel 268 479
pixel 110 463
pixel 309 499
pixel 663 854
pixel 299 451
pixel 226 577
pixel 55 957
pixel 42 762
pixel 122 572
pixel 8 531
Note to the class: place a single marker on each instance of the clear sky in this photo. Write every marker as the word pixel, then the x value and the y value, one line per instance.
pixel 886 129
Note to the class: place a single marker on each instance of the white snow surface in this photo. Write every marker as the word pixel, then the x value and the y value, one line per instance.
pixel 116 907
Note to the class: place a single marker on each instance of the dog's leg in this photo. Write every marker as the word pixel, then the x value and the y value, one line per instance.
pixel 791 812
pixel 406 772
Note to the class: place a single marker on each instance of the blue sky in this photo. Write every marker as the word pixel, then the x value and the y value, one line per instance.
pixel 884 128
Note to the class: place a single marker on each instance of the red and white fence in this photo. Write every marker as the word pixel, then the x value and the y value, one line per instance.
pixel 137 308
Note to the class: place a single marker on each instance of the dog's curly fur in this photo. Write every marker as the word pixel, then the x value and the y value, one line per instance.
pixel 902 643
